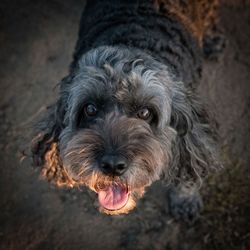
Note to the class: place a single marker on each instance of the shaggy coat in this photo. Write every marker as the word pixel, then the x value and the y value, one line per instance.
pixel 132 56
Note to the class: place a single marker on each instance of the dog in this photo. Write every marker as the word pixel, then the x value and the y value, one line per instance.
pixel 128 112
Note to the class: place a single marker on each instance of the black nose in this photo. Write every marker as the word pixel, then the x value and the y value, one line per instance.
pixel 113 164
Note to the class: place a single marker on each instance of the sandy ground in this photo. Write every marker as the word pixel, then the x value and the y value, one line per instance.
pixel 36 44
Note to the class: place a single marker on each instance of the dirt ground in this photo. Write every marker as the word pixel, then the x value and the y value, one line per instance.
pixel 36 44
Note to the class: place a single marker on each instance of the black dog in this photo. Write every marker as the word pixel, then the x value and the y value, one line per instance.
pixel 128 113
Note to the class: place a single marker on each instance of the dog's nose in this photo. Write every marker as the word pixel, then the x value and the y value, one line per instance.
pixel 113 164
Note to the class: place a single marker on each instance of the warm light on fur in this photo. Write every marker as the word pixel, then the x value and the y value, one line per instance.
pixel 53 169
pixel 198 16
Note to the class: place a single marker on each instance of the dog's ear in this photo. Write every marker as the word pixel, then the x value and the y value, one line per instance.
pixel 49 127
pixel 44 146
pixel 47 131
pixel 195 149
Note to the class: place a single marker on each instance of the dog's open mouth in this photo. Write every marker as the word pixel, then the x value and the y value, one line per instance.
pixel 113 197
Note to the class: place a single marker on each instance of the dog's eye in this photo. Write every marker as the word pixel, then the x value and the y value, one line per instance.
pixel 90 110
pixel 144 114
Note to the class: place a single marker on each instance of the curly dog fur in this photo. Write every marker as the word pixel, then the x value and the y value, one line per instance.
pixel 131 95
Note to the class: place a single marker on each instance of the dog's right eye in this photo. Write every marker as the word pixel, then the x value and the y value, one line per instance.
pixel 90 110
pixel 144 114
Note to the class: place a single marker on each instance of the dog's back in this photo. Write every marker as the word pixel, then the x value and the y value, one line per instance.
pixel 171 31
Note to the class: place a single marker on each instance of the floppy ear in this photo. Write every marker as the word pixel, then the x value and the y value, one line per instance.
pixel 47 131
pixel 44 146
pixel 194 150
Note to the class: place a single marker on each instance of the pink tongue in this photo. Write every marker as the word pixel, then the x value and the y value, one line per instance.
pixel 114 197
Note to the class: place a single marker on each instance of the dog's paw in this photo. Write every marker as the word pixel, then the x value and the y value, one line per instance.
pixel 213 46
pixel 184 207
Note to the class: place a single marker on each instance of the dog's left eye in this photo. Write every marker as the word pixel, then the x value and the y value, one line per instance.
pixel 144 114
pixel 90 110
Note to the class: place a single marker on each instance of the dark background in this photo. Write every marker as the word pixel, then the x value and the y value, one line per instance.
pixel 36 44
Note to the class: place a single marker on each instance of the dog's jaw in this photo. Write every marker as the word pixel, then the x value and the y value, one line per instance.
pixel 105 197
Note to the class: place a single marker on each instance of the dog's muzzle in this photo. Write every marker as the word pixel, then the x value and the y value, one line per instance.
pixel 115 195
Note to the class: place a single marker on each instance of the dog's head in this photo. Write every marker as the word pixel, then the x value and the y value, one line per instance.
pixel 122 121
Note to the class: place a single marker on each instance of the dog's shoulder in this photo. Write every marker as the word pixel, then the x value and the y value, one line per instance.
pixel 199 17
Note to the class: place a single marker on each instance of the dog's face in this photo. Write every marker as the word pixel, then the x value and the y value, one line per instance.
pixel 115 128
pixel 116 140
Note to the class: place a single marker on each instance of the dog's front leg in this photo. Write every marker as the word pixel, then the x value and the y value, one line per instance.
pixel 184 203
